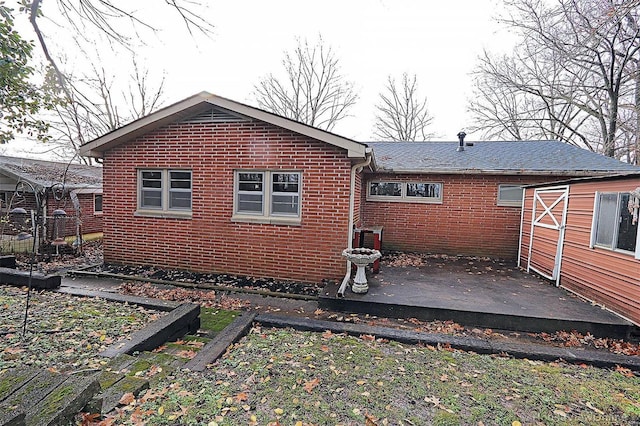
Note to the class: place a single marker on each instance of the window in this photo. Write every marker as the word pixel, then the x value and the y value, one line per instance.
pixel 164 191
pixel 267 196
pixel 97 203
pixel 408 192
pixel 510 195
pixel 614 226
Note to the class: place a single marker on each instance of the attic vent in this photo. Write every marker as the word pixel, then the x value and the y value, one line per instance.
pixel 215 115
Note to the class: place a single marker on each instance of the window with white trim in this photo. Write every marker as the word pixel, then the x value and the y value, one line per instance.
pixel 510 195
pixel 408 192
pixel 97 204
pixel 267 195
pixel 614 225
pixel 164 190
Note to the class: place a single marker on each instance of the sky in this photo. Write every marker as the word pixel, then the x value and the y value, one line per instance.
pixel 373 39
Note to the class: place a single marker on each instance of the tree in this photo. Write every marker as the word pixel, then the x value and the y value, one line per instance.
pixel 573 75
pixel 313 92
pixel 88 103
pixel 20 99
pixel 109 19
pixel 401 114
pixel 102 101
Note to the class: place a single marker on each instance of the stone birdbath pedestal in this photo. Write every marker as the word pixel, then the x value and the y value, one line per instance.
pixel 361 257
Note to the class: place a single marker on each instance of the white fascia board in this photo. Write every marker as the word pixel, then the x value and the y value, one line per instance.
pixel 202 101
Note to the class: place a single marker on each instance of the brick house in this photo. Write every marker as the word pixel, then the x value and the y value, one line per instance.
pixel 583 235
pixel 209 184
pixel 213 185
pixel 435 197
pixel 75 188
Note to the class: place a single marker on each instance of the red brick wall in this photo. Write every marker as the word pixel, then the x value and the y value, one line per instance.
pixel 468 221
pixel 210 241
pixel 67 225
pixel 91 222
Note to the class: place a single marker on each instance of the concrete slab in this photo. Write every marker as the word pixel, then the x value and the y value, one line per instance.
pixel 479 293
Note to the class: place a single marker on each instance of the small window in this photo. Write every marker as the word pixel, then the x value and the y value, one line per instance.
pixel 164 191
pixel 510 195
pixel 385 189
pixel 408 192
pixel 424 190
pixel 267 196
pixel 614 225
pixel 97 203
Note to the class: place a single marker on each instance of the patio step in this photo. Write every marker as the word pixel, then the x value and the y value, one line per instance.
pixel 534 309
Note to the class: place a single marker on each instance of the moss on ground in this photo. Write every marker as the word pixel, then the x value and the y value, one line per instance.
pixel 215 320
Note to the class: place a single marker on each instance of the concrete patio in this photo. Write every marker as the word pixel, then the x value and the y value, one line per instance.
pixel 477 292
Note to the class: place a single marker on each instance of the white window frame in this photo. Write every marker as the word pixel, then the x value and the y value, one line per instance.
pixel 97 212
pixel 165 193
pixel 403 197
pixel 266 215
pixel 509 203
pixel 614 242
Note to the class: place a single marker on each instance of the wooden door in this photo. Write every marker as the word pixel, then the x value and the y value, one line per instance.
pixel 548 220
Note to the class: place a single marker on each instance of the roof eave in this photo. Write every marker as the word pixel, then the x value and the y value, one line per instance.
pixel 445 171
pixel 201 102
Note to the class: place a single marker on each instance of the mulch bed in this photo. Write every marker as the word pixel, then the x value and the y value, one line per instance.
pixel 225 280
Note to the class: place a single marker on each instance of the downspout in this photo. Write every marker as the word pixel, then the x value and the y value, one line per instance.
pixel 357 168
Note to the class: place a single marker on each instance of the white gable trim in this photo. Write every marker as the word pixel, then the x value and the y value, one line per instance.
pixel 200 103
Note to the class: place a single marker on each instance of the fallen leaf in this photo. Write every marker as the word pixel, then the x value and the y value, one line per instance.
pixel 624 371
pixel 279 411
pixel 369 420
pixel 242 396
pixel 127 398
pixel 327 334
pixel 311 384
pixel 367 337
pixel 588 404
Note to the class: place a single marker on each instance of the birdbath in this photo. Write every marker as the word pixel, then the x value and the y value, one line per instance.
pixel 361 257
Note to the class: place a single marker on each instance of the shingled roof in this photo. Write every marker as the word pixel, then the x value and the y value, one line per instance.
pixel 47 173
pixel 516 157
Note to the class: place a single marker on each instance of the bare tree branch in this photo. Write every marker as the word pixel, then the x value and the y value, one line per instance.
pixel 573 76
pixel 401 114
pixel 314 92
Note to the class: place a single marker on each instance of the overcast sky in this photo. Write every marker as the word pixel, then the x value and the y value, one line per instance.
pixel 438 41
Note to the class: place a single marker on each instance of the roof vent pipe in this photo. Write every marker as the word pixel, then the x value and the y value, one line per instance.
pixel 461 136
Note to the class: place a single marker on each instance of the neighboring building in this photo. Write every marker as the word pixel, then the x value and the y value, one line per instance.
pixel 583 235
pixel 210 184
pixel 433 197
pixel 75 188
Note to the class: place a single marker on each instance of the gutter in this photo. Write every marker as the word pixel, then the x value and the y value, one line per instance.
pixel 356 168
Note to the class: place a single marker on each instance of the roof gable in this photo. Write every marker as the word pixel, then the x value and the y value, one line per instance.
pixel 514 157
pixel 198 107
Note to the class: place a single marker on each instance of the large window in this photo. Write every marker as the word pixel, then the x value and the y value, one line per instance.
pixel 614 226
pixel 164 191
pixel 411 192
pixel 267 195
pixel 510 195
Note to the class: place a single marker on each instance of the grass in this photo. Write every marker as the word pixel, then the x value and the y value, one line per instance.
pixel 304 378
pixel 288 377
pixel 63 332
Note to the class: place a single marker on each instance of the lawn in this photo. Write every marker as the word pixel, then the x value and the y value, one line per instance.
pixel 63 332
pixel 288 377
